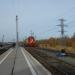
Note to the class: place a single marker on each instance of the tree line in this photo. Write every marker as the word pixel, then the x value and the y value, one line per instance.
pixel 68 42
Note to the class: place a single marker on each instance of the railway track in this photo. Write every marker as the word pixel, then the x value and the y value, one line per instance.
pixel 56 51
pixel 4 49
pixel 56 66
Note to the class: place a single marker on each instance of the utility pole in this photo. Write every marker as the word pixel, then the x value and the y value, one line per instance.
pixel 2 38
pixel 16 44
pixel 32 33
pixel 35 37
pixel 17 31
pixel 62 25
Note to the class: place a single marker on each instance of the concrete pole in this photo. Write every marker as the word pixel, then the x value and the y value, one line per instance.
pixel 17 31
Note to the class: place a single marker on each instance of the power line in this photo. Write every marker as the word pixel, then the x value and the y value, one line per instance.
pixel 70 22
pixel 67 12
pixel 48 30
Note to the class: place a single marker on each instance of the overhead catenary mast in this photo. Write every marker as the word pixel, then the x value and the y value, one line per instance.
pixel 32 33
pixel 16 45
pixel 17 31
pixel 3 39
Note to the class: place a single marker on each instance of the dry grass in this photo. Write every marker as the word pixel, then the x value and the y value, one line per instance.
pixel 68 49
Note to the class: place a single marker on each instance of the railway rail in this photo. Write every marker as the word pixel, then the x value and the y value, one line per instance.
pixel 56 51
pixel 4 49
pixel 56 66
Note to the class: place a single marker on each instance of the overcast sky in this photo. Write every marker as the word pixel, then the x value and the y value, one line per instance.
pixel 40 16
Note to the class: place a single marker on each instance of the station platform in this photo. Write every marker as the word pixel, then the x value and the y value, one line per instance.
pixel 20 62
